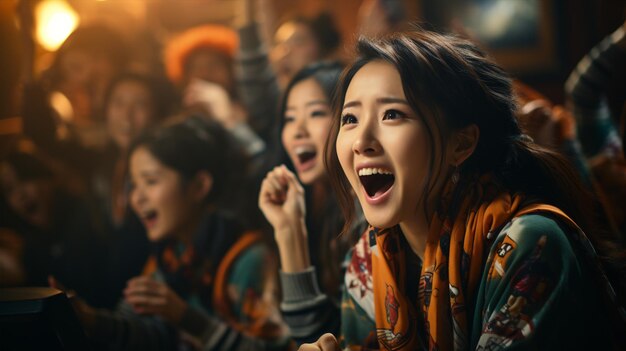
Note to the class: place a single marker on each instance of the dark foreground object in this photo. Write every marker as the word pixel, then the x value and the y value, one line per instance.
pixel 38 319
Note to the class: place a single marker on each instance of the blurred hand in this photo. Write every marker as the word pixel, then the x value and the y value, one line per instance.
pixel 537 121
pixel 282 199
pixel 326 342
pixel 148 296
pixel 213 98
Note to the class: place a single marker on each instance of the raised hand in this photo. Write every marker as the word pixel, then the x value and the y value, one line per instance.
pixel 282 202
pixel 326 342
pixel 282 198
pixel 148 296
pixel 214 99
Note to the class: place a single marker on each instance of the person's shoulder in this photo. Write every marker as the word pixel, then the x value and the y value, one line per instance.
pixel 251 259
pixel 531 228
pixel 249 251
pixel 533 237
pixel 255 252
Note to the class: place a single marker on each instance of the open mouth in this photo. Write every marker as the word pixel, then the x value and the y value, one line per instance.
pixel 376 181
pixel 305 154
pixel 149 217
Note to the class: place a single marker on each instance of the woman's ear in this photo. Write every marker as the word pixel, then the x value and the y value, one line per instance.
pixel 201 185
pixel 463 144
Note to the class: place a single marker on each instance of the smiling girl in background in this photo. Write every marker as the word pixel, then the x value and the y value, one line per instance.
pixel 306 234
pixel 475 240
pixel 207 282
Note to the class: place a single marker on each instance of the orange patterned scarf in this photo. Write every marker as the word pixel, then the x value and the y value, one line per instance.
pixel 452 266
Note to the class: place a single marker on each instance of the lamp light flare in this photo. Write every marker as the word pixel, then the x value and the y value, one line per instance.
pixel 55 22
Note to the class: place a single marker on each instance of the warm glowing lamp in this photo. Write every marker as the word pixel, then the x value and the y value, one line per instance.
pixel 55 22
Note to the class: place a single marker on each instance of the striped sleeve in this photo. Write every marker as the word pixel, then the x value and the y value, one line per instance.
pixel 585 90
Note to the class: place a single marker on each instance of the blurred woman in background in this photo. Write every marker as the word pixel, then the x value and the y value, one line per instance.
pixel 306 224
pixel 208 283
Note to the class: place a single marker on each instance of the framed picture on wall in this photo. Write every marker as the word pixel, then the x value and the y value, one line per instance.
pixel 520 34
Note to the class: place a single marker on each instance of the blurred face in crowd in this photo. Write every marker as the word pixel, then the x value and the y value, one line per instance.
pixel 295 46
pixel 129 112
pixel 30 199
pixel 164 203
pixel 210 66
pixel 77 67
pixel 84 80
pixel 307 122
pixel 82 69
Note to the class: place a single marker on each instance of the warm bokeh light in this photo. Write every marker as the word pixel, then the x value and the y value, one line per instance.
pixel 55 21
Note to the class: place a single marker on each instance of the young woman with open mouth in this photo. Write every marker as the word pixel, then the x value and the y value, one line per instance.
pixel 475 239
pixel 208 283
pixel 307 235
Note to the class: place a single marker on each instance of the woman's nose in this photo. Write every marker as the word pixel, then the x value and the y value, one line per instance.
pixel 137 197
pixel 366 141
pixel 301 128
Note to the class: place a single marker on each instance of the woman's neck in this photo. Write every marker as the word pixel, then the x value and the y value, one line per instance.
pixel 186 232
pixel 416 232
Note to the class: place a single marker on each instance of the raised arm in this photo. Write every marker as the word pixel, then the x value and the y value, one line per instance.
pixel 586 90
pixel 306 309
pixel 256 81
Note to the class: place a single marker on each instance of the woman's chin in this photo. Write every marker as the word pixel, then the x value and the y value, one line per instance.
pixel 379 220
pixel 156 235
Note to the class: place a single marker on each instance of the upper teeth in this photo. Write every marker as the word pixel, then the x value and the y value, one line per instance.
pixel 370 171
pixel 303 149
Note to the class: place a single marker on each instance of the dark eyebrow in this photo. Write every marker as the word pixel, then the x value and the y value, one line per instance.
pixel 385 100
pixel 149 173
pixel 316 102
pixel 308 104
pixel 352 104
pixel 392 101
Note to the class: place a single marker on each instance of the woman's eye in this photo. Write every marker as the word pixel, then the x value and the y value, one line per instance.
pixel 348 119
pixel 392 114
pixel 151 181
pixel 288 119
pixel 319 113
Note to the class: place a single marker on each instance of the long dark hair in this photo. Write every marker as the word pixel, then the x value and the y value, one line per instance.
pixel 452 84
pixel 326 249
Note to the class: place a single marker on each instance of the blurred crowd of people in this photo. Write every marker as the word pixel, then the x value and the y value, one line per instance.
pixel 185 199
